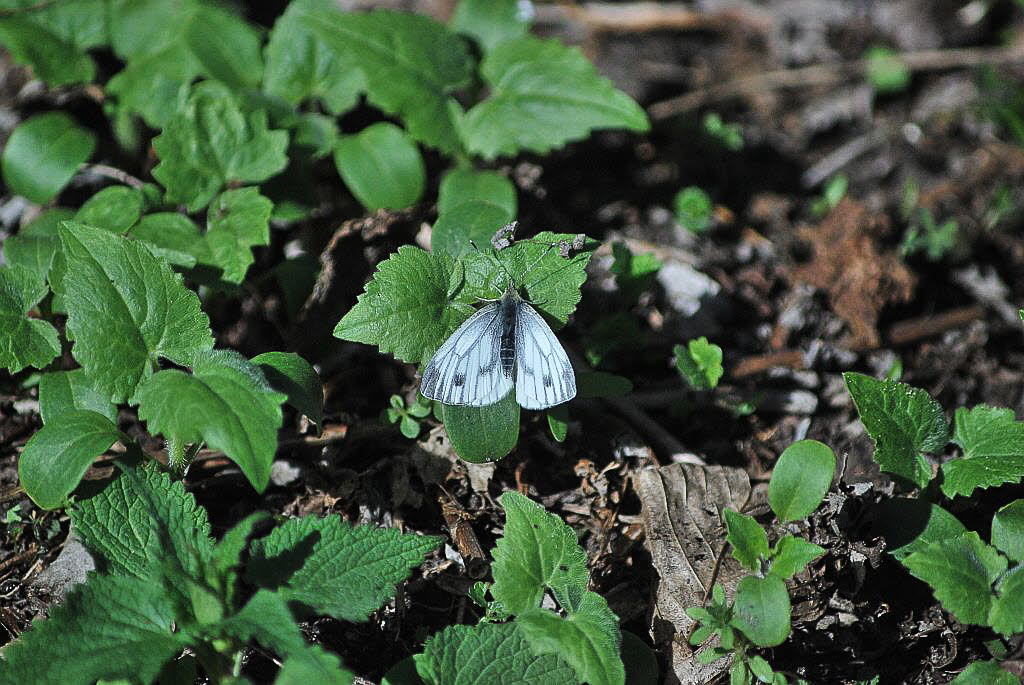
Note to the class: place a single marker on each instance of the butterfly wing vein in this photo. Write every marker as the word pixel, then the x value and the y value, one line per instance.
pixel 466 369
pixel 544 376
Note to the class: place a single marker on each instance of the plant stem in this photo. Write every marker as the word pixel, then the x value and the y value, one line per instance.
pixel 177 459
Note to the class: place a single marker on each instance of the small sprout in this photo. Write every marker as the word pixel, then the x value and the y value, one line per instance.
pixel 730 136
pixel 694 209
pixel 834 192
pixel 699 363
pixel 408 418
pixel 886 71
pixel 923 235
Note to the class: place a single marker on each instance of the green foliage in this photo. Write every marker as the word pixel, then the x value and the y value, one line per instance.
pixel 729 136
pixel 761 610
pixel 381 166
pixel 475 222
pixel 43 153
pixel 482 434
pixel 699 363
pixel 985 673
pixel 694 209
pixel 35 245
pixel 885 70
pixel 115 209
pixel 289 373
pixel 490 22
pixel 407 417
pixel 790 555
pixel 923 234
pixel 909 525
pixel 1008 530
pixel 633 273
pixel 23 341
pixel 993 444
pixel 835 190
pixel 465 185
pixel 800 479
pixel 227 48
pixel 237 220
pixel 748 539
pixel 64 391
pixel 32 40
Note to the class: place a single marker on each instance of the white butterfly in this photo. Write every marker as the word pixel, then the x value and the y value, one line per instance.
pixel 505 339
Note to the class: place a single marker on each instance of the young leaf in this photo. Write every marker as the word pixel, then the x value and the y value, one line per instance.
pixel 902 421
pixel 237 220
pixel 747 537
pixel 761 610
pixel 289 373
pixel 54 60
pixel 482 434
pixel 1008 530
pixel 114 209
pixel 227 47
pixel 488 653
pixel 909 525
pixel 57 456
pixel 381 166
pixel 225 402
pixel 151 84
pixel 334 568
pixel 632 272
pixel 1007 613
pixel 800 479
pixel 700 363
pixel 985 673
pixel 538 551
pixel 43 153
pixel 790 555
pixel 211 140
pixel 476 220
pixel 694 209
pixel 65 391
pixel 993 445
pixel 126 309
pixel 491 21
pixel 24 341
pixel 960 571
pixel 34 245
pixel 466 185
pixel 173 237
pixel 543 95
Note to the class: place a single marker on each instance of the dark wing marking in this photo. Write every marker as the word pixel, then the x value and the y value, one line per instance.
pixel 544 376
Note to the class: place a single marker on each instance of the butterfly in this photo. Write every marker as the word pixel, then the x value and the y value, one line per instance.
pixel 503 344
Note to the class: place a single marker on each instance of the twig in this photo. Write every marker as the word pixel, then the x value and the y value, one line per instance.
pixel 463 536
pixel 114 173
pixel 18 558
pixel 634 17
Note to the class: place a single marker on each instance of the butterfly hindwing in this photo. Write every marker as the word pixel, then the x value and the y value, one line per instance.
pixel 466 369
pixel 544 376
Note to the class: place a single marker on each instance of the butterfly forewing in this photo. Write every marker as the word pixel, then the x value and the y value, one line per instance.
pixel 544 376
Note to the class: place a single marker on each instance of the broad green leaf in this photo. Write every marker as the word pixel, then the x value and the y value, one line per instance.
pixel 909 525
pixel 410 62
pixel 335 568
pixel 43 153
pixel 151 84
pixel 139 521
pixel 316 132
pixel 227 47
pixel 1008 530
pixel 482 434
pixel 985 673
pixel 790 555
pixel 34 245
pixel 1007 613
pixel 493 653
pixel 57 456
pixel 126 309
pixel 474 221
pixel 81 23
pixel 491 21
pixel 210 141
pixel 699 363
pixel 601 384
pixel 538 551
pixel 640 661
pixel 558 422
pixel 143 27
pixel 800 479
pixel 960 571
pixel 24 341
pixel 107 628
pixel 54 60
pixel 761 610
pixel 747 537
pixel 466 184
pixel 237 220
pixel 313 665
pixel 66 391
pixel 993 444
pixel 226 402
pixel 543 95
pixel 289 373
pixel 381 166
pixel 902 421
pixel 173 237
pixel 266 619
pixel 114 209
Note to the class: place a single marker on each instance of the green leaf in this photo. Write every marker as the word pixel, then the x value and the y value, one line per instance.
pixel 1007 613
pixel 699 363
pixel 126 309
pixel 902 421
pixel 143 27
pixel 313 665
pixel 476 221
pixel 747 537
pixel 543 95
pixel 993 445
pixel 57 456
pixel 640 661
pixel 66 391
pixel 335 568
pixel 226 46
pixel 266 619
pixel 225 402
pixel 24 341
pixel 466 185
pixel 173 237
pixel 491 21
pixel 237 220
pixel 488 653
pixel 790 555
pixel 483 434
pixel 601 384
pixel 909 525
pixel 632 272
pixel 227 553
pixel 289 373
pixel 151 84
pixel 538 551
pixel 54 60
pixel 1008 530
pixel 316 132
pixel 694 209
pixel 410 62
pixel 761 610
pixel 43 153
pixel 409 427
pixel 114 209
pixel 381 166
pixel 210 141
pixel 886 71
pixel 960 571
pixel 985 673
pixel 558 422
pixel 587 639
pixel 109 627
pixel 761 669
pixel 82 23
pixel 801 478
pixel 34 245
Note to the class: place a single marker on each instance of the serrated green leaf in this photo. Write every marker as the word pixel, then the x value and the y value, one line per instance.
pixel 210 141
pixel 34 245
pixel 491 21
pixel 266 619
pixel 226 46
pixel 227 553
pixel 902 421
pixel 126 309
pixel 791 554
pixel 1007 613
pixel 109 627
pixel 64 391
pixel 237 220
pixel 334 568
pixel 960 571
pixel 699 363
pixel 909 525
pixel 289 373
pixel 225 402
pixel 173 237
pixel 114 209
pixel 24 341
pixel 313 665
pixel 43 153
pixel 543 95
pixel 410 62
pixel 488 653
pixel 381 166
pixel 57 456
pixel 459 227
pixel 538 551
pixel 800 479
pixel 483 434
pixel 985 673
pixel 54 60
pixel 761 610
pixel 747 537
pixel 1008 530
pixel 151 84
pixel 466 184
pixel 993 444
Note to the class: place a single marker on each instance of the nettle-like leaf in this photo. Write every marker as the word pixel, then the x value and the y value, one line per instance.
pixel 34 245
pixel 150 84
pixel 800 479
pixel 237 220
pixel 543 95
pixel 747 537
pixel 411 64
pixel 985 673
pixel 226 402
pixel 491 21
pixel 1007 613
pixel 902 421
pixel 211 140
pixel 909 525
pixel 489 652
pixel 64 391
pixel 43 153
pixel 993 444
pixel 289 373
pixel 114 209
pixel 382 167
pixel 126 309
pixel 24 341
pixel 457 228
pixel 1008 530
pixel 173 237
pixel 334 568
